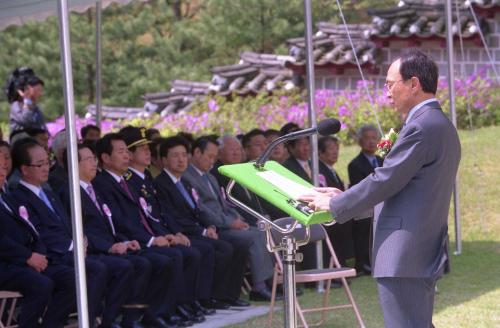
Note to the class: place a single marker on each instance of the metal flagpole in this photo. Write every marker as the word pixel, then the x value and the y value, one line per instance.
pixel 76 211
pixel 98 62
pixel 312 116
pixel 451 86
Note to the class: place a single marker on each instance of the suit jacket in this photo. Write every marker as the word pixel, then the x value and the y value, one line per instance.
pixel 332 179
pixel 186 217
pixel 146 189
pixel 360 167
pixel 126 210
pixel 18 238
pixel 54 227
pixel 214 209
pixel 412 191
pixel 96 225
pixel 293 165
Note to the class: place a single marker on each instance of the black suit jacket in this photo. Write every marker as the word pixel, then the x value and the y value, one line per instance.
pixel 54 227
pixel 126 210
pixel 18 240
pixel 145 188
pixel 96 225
pixel 293 165
pixel 185 216
pixel 332 179
pixel 359 168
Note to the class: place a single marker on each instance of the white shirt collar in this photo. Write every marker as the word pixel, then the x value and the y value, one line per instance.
pixel 302 162
pixel 84 185
pixel 417 107
pixel 33 188
pixel 198 170
pixel 115 176
pixel 141 174
pixel 173 177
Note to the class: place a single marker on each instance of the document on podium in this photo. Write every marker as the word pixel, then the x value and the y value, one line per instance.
pixel 293 189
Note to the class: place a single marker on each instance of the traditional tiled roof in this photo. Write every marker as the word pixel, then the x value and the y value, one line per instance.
pixel 332 49
pixel 116 113
pixel 486 8
pixel 416 21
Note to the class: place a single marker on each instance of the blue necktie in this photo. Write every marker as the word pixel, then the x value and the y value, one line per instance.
pixel 185 194
pixel 46 200
pixel 374 162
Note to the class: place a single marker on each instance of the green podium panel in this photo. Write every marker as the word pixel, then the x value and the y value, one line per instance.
pixel 277 185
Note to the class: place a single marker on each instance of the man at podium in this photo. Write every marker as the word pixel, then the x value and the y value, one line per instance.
pixel 411 193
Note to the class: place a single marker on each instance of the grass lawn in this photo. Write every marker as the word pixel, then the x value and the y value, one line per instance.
pixel 470 295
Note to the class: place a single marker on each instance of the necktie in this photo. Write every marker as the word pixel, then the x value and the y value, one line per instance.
pixel 335 177
pixel 92 196
pixel 307 168
pixel 207 181
pixel 185 194
pixel 374 162
pixel 144 222
pixel 46 200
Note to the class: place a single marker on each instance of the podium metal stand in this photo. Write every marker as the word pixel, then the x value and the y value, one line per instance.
pixel 288 246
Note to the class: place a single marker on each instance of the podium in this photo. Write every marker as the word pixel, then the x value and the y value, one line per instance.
pixel 279 186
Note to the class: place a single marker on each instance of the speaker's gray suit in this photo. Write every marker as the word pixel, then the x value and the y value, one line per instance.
pixel 215 211
pixel 411 193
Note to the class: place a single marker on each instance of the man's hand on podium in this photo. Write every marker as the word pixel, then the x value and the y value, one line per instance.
pixel 320 200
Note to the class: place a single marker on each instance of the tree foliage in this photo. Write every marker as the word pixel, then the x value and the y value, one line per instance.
pixel 146 45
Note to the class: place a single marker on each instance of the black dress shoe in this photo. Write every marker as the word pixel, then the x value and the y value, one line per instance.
pixel 133 325
pixel 157 323
pixel 200 308
pixel 215 304
pixel 263 295
pixel 187 314
pixel 239 302
pixel 176 321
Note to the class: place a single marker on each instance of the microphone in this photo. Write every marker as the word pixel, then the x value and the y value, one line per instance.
pixel 324 128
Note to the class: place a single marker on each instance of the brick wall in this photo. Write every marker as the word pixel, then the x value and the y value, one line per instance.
pixel 475 58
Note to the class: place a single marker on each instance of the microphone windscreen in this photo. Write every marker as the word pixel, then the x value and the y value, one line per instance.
pixel 328 126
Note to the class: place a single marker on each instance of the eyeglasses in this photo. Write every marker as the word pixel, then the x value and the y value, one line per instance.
pixel 40 165
pixel 389 85
pixel 89 158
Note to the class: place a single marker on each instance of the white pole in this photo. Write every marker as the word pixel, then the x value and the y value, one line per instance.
pixel 71 140
pixel 451 87
pixel 98 62
pixel 312 116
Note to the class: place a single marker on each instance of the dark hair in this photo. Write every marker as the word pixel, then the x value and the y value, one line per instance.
pixel 202 142
pixel 105 144
pixel 249 135
pixel 32 132
pixel 272 132
pixel 79 147
pixel 150 132
pixel 87 128
pixel 153 147
pixel 415 63
pixel 17 81
pixel 289 127
pixel 171 142
pixel 188 136
pixel 20 152
pixel 323 142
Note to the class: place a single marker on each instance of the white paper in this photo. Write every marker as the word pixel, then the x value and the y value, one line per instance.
pixel 285 185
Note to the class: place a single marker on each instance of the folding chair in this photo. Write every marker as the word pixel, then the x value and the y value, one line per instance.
pixel 334 271
pixel 4 297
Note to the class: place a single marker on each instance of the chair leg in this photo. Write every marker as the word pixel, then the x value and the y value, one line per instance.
pixel 301 314
pixel 325 301
pixel 273 299
pixel 2 308
pixel 353 303
pixel 11 312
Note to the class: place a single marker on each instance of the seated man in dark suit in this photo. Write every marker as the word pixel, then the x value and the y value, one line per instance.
pixel 179 199
pixel 215 210
pixel 146 279
pixel 49 217
pixel 299 163
pixel 359 168
pixel 140 181
pixel 131 220
pixel 48 289
pixel 340 234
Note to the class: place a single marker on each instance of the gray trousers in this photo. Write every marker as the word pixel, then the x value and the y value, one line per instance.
pixel 407 302
pixel 261 263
